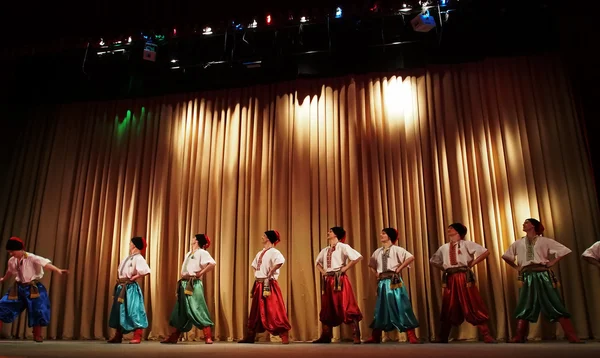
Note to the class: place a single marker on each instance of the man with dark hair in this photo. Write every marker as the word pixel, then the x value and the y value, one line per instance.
pixel 128 313
pixel 530 255
pixel 190 308
pixel 27 292
pixel 461 299
pixel 393 310
pixel 338 304
pixel 267 311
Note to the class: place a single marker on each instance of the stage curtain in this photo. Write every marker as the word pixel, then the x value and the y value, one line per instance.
pixel 489 144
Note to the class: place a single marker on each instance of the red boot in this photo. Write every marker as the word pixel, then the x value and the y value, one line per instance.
pixel 285 339
pixel 207 335
pixel 569 330
pixel 356 332
pixel 118 338
pixel 375 337
pixel 412 336
pixel 173 338
pixel 521 336
pixel 37 334
pixel 250 337
pixel 325 335
pixel 137 336
pixel 485 333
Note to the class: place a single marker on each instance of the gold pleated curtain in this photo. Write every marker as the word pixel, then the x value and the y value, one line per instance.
pixel 488 144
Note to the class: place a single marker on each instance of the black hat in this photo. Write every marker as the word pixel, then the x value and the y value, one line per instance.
pixel 460 229
pixel 14 244
pixel 273 236
pixel 391 233
pixel 339 232
pixel 203 240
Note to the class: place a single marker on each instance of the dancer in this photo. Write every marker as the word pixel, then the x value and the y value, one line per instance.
pixel 27 292
pixel 190 309
pixel 592 254
pixel 338 304
pixel 393 310
pixel 538 282
pixel 267 312
pixel 128 313
pixel 461 299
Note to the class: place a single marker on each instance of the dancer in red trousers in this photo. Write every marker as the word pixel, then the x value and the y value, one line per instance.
pixel 461 299
pixel 267 312
pixel 338 304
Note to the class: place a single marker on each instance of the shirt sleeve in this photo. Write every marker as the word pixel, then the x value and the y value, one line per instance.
pixel 403 255
pixel 373 260
pixel 42 261
pixel 255 262
pixel 206 259
pixel 351 253
pixel 556 248
pixel 141 266
pixel 474 248
pixel 593 251
pixel 12 266
pixel 511 253
pixel 278 258
pixel 437 258
pixel 320 257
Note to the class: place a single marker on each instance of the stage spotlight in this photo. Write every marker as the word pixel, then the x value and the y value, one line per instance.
pixel 207 31
pixel 338 12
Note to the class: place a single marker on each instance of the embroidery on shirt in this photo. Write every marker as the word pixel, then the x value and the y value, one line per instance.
pixel 453 259
pixel 329 253
pixel 259 263
pixel 385 255
pixel 530 244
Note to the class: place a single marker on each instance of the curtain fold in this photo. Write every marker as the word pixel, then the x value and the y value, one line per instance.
pixel 488 144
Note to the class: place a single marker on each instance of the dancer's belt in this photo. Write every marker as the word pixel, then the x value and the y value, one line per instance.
pixel 395 277
pixel 189 286
pixel 337 286
pixel 454 270
pixel 34 291
pixel 123 282
pixel 537 268
pixel 266 291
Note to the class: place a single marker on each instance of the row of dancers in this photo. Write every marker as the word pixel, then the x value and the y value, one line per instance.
pixel 531 256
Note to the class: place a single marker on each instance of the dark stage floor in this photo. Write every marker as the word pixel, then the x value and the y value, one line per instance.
pixel 88 349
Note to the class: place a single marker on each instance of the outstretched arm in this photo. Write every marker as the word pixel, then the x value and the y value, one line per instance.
pixel 56 269
pixel 6 276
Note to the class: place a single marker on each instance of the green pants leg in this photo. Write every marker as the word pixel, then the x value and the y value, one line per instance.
pixel 190 310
